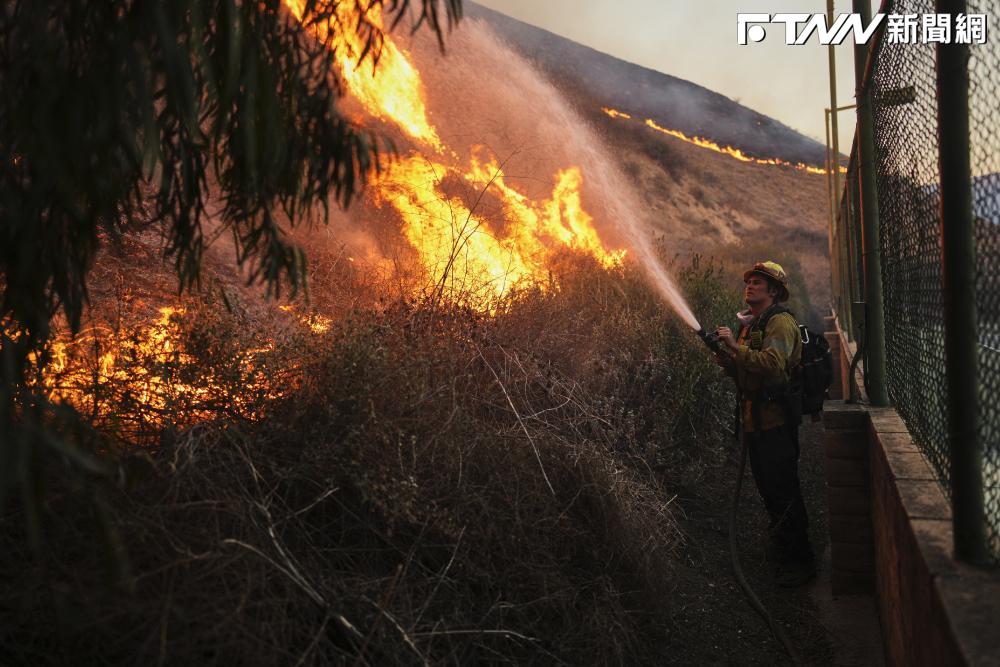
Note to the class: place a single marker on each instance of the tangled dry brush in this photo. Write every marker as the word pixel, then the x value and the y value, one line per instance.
pixel 421 483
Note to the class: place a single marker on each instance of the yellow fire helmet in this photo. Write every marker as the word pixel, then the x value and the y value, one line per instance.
pixel 773 272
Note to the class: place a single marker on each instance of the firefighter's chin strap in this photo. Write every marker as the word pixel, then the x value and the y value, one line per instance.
pixel 755 602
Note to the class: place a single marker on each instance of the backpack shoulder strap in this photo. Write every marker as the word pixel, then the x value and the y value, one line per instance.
pixel 761 324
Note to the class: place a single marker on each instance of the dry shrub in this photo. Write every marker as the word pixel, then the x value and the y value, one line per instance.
pixel 432 484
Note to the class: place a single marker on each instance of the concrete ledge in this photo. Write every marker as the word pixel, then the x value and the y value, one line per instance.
pixel 898 442
pixel 922 500
pixel 934 537
pixel 908 465
pixel 933 609
pixel 886 420
pixel 971 599
pixel 843 416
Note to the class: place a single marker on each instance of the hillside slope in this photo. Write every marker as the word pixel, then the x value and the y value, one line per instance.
pixel 696 199
pixel 641 91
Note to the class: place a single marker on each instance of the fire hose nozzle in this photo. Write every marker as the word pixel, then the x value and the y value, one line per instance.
pixel 712 340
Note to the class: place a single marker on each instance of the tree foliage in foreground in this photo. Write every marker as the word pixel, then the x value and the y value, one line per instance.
pixel 121 114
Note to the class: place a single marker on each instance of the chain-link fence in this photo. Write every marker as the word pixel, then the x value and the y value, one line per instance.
pixel 984 143
pixel 904 105
pixel 903 84
pixel 848 248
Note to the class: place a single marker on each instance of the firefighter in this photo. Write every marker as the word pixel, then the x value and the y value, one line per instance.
pixel 763 361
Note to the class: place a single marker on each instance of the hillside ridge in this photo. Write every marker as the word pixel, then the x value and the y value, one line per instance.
pixel 638 90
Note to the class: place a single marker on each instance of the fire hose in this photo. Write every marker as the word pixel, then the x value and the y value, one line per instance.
pixel 714 343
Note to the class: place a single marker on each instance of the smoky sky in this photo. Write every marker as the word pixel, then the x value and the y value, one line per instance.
pixel 697 41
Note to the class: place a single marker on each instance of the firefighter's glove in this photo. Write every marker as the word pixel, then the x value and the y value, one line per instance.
pixel 726 336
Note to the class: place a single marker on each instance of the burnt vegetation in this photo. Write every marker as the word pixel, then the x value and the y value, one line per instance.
pixel 433 484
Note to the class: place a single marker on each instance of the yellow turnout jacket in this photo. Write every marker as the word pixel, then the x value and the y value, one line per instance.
pixel 766 359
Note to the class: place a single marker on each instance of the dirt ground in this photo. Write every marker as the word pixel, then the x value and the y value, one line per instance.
pixel 715 624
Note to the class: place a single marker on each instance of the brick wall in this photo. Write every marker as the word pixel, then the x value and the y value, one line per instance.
pixel 890 533
pixel 848 494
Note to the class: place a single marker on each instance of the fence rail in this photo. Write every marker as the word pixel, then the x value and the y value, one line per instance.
pixel 903 82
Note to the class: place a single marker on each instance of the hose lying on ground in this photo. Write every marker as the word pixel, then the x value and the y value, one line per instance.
pixel 714 343
pixel 755 602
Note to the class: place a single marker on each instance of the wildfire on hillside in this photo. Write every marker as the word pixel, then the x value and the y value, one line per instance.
pixel 713 146
pixel 456 244
pixel 614 113
pixel 143 365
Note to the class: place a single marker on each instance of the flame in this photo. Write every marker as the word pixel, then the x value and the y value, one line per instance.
pixel 454 244
pixel 462 250
pixel 614 113
pixel 396 93
pixel 560 219
pixel 458 248
pixel 71 378
pixel 318 324
pixel 147 368
pixel 725 150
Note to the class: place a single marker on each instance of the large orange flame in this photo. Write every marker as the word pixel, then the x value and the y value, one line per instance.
pixel 151 374
pixel 559 221
pixel 459 250
pixel 395 94
pixel 462 252
pixel 141 365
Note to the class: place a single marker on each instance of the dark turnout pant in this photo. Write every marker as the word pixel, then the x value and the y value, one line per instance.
pixel 774 460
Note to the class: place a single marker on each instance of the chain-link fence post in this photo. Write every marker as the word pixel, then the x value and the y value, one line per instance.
pixel 874 316
pixel 958 251
pixel 835 257
pixel 851 230
pixel 832 199
pixel 845 225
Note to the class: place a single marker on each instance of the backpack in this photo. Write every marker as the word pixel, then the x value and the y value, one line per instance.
pixel 815 371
